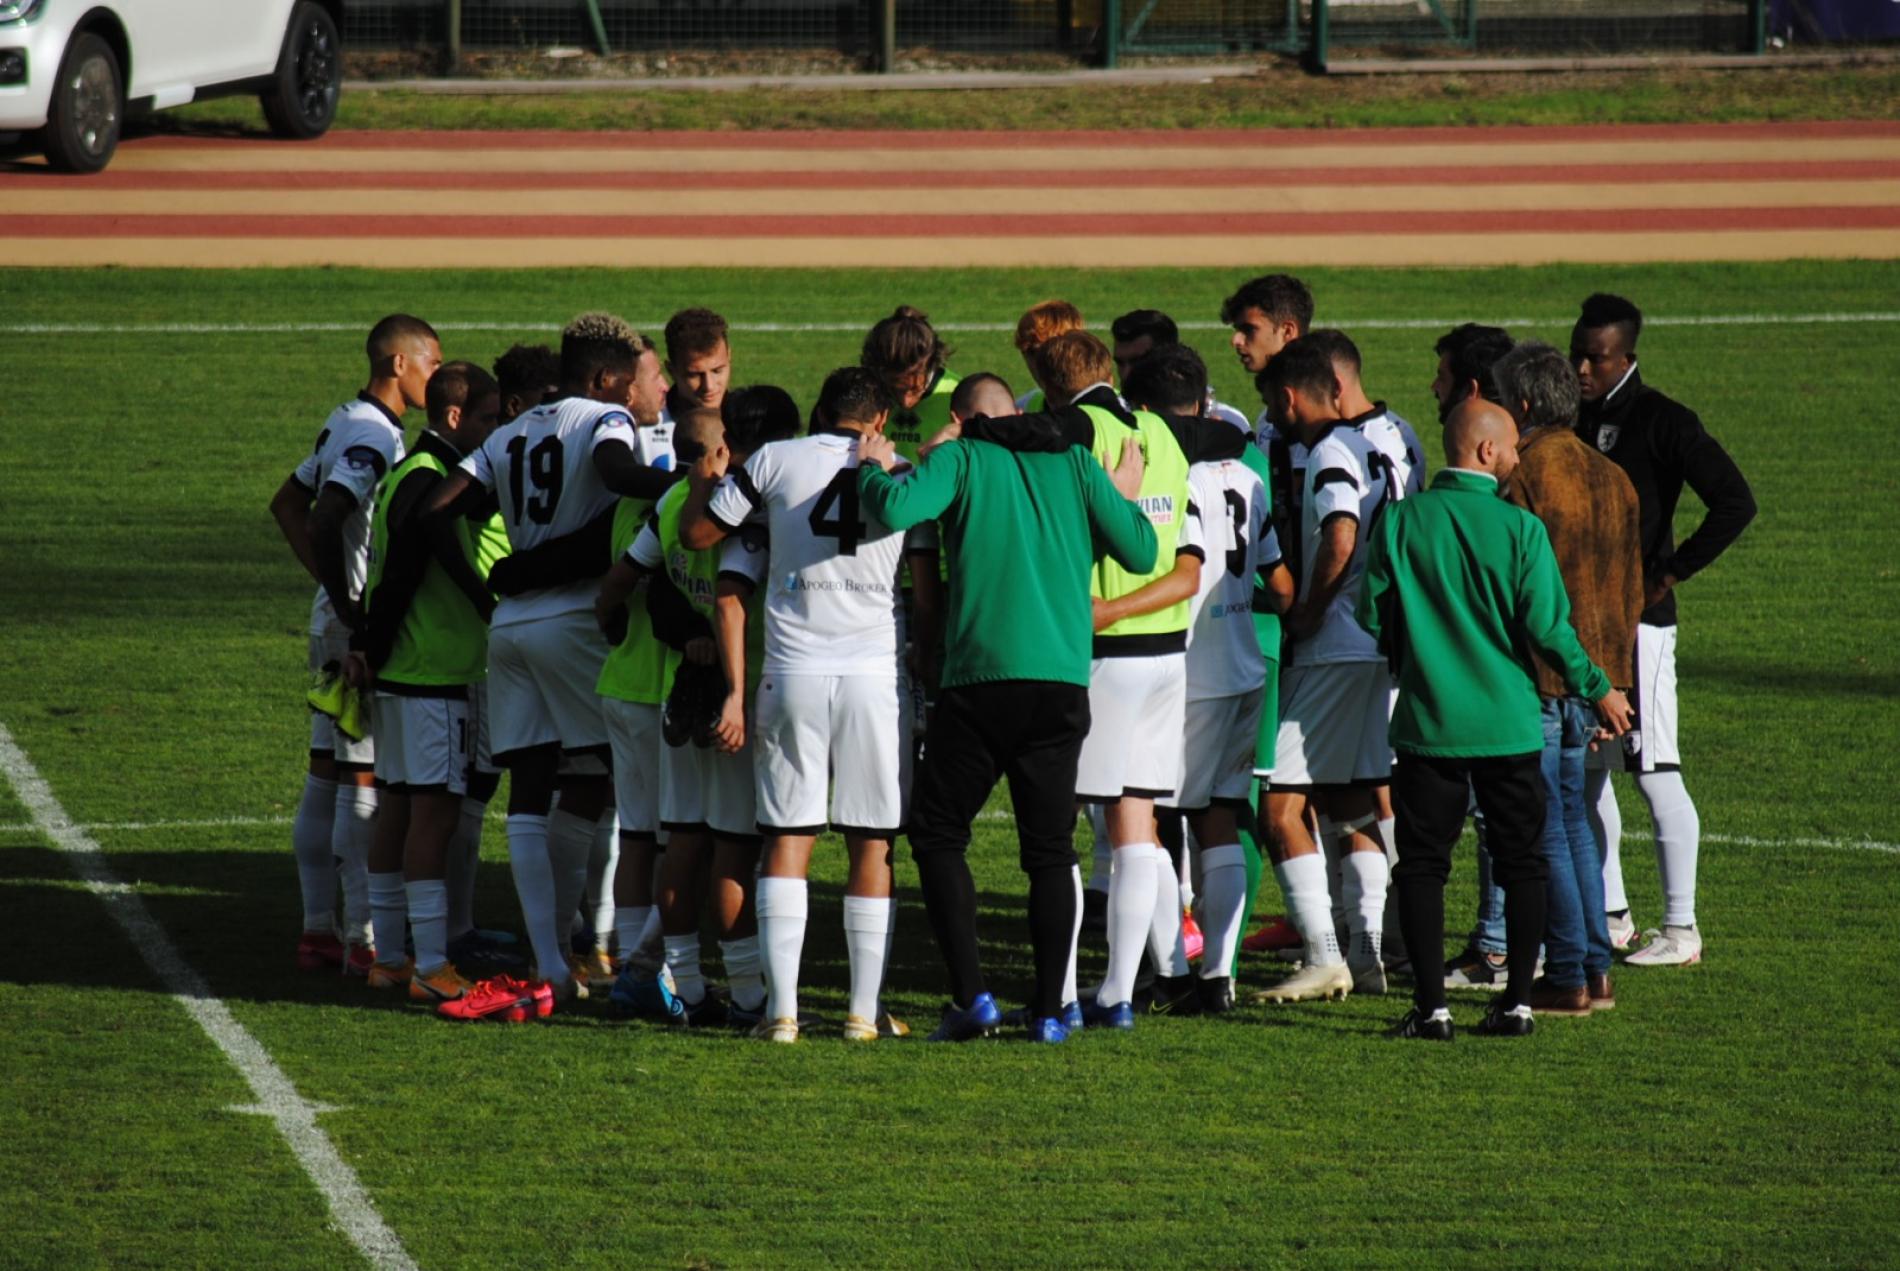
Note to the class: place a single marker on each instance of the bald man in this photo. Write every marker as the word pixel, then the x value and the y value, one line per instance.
pixel 1459 587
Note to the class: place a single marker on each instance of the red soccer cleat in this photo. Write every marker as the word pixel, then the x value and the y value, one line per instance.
pixel 503 998
pixel 1191 937
pixel 319 951
pixel 358 959
pixel 1273 936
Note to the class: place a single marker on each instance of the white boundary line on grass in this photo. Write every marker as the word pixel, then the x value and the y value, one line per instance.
pixel 277 1097
pixel 800 328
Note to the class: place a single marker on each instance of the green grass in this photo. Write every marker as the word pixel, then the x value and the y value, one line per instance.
pixel 1740 1112
pixel 1277 97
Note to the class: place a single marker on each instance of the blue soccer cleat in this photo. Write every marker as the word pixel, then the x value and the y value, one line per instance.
pixel 1048 1031
pixel 979 1019
pixel 1072 1016
pixel 642 992
pixel 1121 1015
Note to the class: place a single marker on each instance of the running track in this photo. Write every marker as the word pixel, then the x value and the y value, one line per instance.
pixel 1435 196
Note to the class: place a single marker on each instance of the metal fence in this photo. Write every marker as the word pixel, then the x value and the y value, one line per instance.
pixel 868 32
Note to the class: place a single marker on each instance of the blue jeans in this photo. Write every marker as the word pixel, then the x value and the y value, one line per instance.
pixel 1488 935
pixel 1576 930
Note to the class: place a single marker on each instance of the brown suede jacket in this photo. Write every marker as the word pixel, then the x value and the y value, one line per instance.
pixel 1588 507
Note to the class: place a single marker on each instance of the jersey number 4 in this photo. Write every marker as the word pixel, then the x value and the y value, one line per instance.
pixel 540 467
pixel 847 526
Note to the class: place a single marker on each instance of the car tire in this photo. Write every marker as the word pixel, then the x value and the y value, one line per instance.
pixel 87 109
pixel 300 102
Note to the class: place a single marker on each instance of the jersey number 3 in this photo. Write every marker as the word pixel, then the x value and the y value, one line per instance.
pixel 847 526
pixel 540 467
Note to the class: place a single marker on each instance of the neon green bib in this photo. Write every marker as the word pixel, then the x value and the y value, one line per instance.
pixel 910 428
pixel 442 639
pixel 1163 497
pixel 637 669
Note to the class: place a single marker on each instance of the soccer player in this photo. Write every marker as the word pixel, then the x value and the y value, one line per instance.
pixel 1466 354
pixel 698 361
pixel 323 509
pixel 830 694
pixel 1662 445
pixel 555 469
pixel 1140 332
pixel 1226 670
pixel 1040 324
pixel 1023 530
pixel 424 642
pixel 907 355
pixel 1336 695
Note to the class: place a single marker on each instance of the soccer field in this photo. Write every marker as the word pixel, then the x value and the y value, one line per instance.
pixel 1743 1111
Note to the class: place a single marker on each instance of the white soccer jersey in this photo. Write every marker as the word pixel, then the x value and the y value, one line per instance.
pixel 541 468
pixel 360 442
pixel 1223 657
pixel 831 582
pixel 1340 481
pixel 1396 446
pixel 1217 409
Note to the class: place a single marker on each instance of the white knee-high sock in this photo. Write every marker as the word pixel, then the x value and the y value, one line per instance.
pixel 1303 881
pixel 388 916
pixel 1070 992
pixel 1678 840
pixel 1364 878
pixel 534 883
pixel 1223 895
pixel 603 855
pixel 464 862
pixel 630 923
pixel 429 922
pixel 1606 822
pixel 350 835
pixel 310 834
pixel 682 959
pixel 1332 847
pixel 744 975
pixel 1102 861
pixel 570 843
pixel 867 921
pixel 1131 910
pixel 1184 869
pixel 783 909
pixel 1165 940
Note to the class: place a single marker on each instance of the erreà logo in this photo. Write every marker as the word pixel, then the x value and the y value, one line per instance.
pixel 1158 508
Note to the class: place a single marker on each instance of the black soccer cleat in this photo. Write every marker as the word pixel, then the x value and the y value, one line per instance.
pixel 1499 1022
pixel 1420 1026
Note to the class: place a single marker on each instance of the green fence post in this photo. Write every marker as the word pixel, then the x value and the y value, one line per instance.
pixel 455 36
pixel 1111 33
pixel 600 27
pixel 1316 55
pixel 1471 25
pixel 887 36
pixel 1758 26
pixel 1292 43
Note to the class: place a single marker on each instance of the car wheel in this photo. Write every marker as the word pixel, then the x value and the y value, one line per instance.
pixel 82 120
pixel 301 100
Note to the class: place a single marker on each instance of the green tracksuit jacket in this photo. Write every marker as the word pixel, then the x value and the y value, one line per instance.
pixel 1022 532
pixel 1460 588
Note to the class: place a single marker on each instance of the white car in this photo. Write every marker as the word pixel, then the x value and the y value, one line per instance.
pixel 70 69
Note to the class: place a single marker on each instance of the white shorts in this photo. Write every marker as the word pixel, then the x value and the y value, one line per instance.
pixel 541 677
pixel 325 738
pixel 732 793
pixel 1217 761
pixel 422 742
pixel 1137 718
pixel 810 726
pixel 1335 722
pixel 633 730
pixel 685 786
pixel 1655 743
pixel 481 758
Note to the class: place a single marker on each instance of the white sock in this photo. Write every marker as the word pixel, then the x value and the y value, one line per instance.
pixel 310 835
pixel 461 868
pixel 1394 943
pixel 1131 911
pixel 783 909
pixel 1678 837
pixel 743 973
pixel 350 835
pixel 1332 847
pixel 867 921
pixel 1102 862
pixel 1184 869
pixel 630 923
pixel 1223 895
pixel 1303 880
pixel 1606 822
pixel 534 883
pixel 429 922
pixel 603 855
pixel 1070 992
pixel 1165 940
pixel 388 914
pixel 650 950
pixel 682 959
pixel 1364 875
pixel 570 843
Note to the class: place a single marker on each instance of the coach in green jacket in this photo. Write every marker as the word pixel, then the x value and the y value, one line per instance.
pixel 1021 532
pixel 1461 590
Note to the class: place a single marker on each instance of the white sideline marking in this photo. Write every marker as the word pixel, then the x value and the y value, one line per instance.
pixel 277 1097
pixel 794 328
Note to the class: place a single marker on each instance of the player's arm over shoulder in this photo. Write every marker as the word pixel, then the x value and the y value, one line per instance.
pixel 1118 526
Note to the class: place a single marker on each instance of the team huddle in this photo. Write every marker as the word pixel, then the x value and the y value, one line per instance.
pixel 699 627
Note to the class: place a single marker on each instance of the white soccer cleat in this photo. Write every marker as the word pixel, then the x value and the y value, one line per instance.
pixel 1672 946
pixel 783 1031
pixel 1310 983
pixel 1622 930
pixel 859 1029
